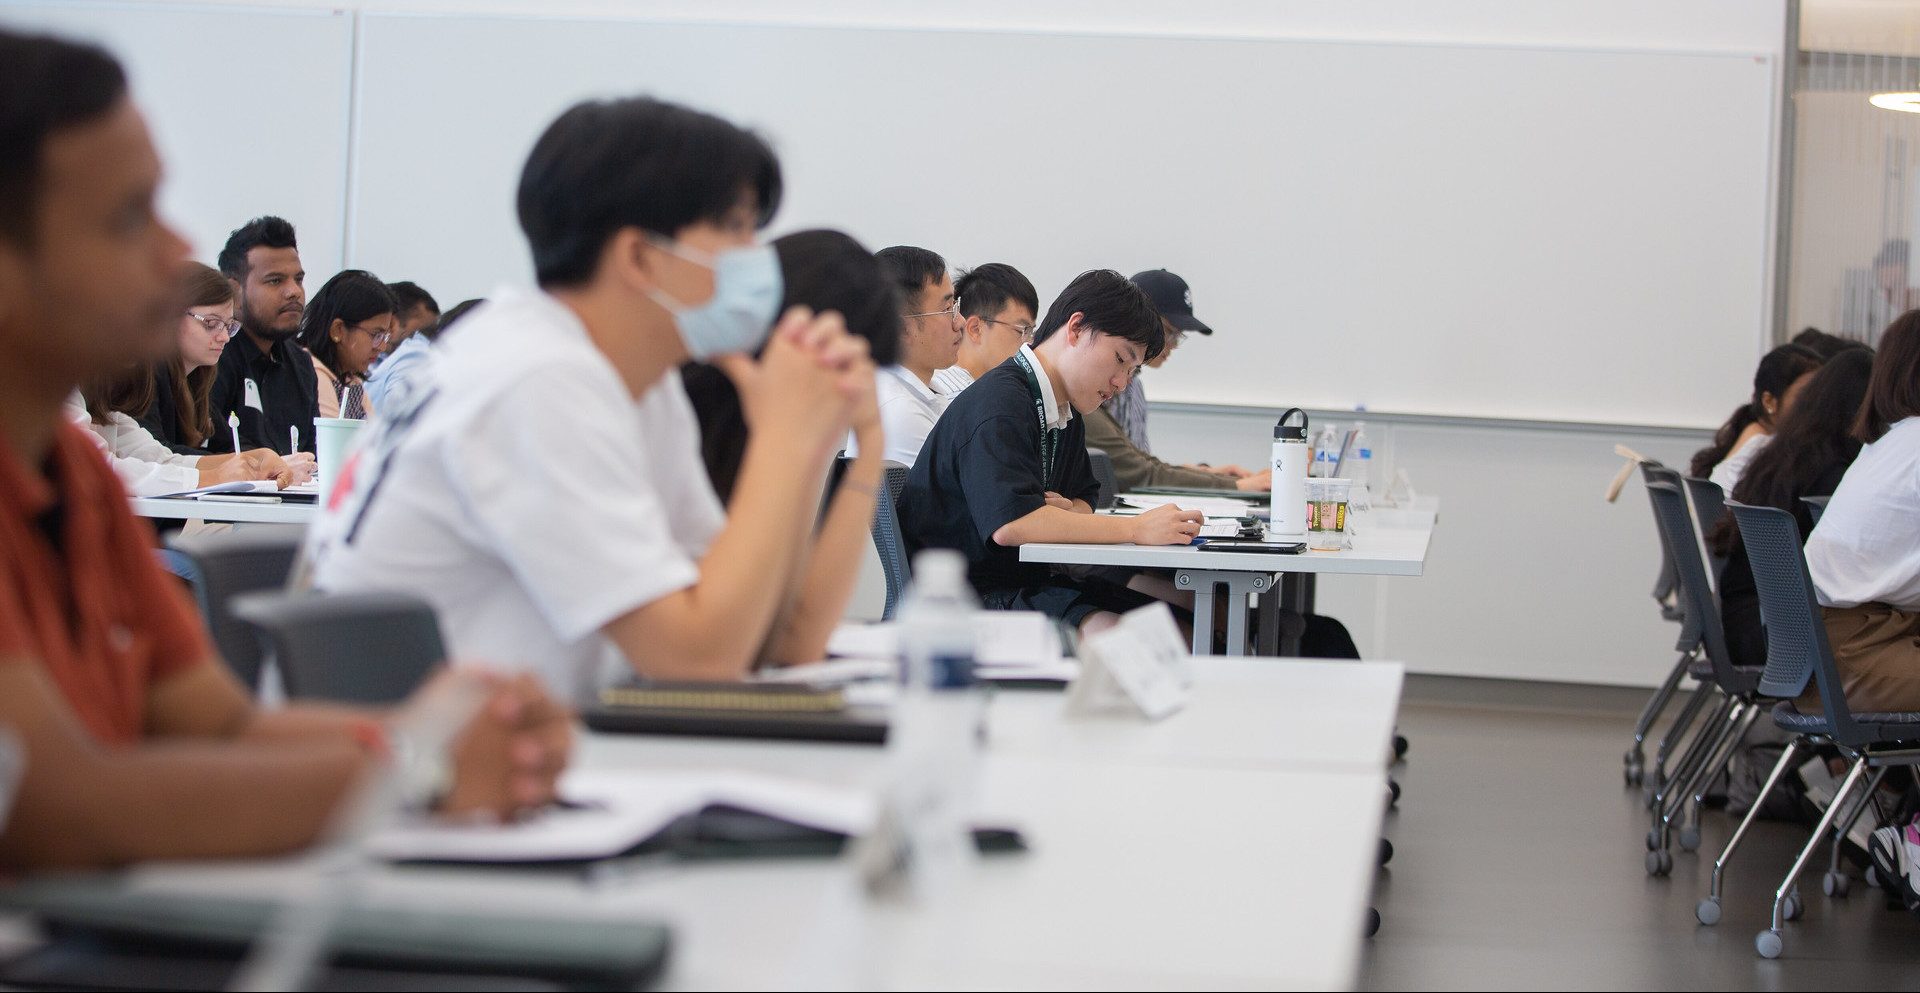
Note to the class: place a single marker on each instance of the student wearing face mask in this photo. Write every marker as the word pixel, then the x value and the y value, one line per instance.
pixel 825 271
pixel 544 490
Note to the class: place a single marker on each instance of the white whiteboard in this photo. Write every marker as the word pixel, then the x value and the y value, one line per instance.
pixel 1504 232
pixel 248 108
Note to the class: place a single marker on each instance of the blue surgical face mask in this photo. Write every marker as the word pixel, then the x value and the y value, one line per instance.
pixel 746 297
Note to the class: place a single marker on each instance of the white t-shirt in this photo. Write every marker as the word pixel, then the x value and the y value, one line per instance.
pixel 1731 468
pixel 908 410
pixel 1866 548
pixel 950 381
pixel 527 495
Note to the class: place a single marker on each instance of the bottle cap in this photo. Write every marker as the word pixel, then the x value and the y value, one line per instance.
pixel 1282 431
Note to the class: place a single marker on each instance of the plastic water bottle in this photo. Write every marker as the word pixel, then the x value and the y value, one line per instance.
pixel 1326 452
pixel 1359 468
pixel 1287 519
pixel 935 735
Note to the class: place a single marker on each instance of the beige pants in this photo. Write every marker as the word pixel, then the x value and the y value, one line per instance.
pixel 1877 649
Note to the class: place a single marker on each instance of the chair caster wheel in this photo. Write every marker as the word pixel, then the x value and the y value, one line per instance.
pixel 1769 944
pixel 1386 851
pixel 1689 839
pixel 1373 922
pixel 1835 884
pixel 1793 908
pixel 1659 863
pixel 1708 912
pixel 1393 793
pixel 1399 746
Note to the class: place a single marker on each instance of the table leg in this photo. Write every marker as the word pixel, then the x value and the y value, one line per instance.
pixel 1201 585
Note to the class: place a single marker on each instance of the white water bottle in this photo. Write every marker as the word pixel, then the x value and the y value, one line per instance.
pixel 1288 520
pixel 937 722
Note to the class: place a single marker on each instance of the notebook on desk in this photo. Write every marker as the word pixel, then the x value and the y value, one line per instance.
pixel 738 710
pixel 107 932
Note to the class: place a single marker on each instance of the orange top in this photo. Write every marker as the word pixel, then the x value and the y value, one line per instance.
pixel 81 593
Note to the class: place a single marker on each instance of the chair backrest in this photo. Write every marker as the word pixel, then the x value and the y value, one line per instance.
pixel 1816 505
pixel 371 648
pixel 1667 590
pixel 1103 472
pixel 1696 595
pixel 1797 648
pixel 232 564
pixel 889 541
pixel 1709 502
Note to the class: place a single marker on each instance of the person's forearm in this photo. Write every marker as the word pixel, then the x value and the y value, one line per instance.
pixel 833 564
pixel 177 800
pixel 1053 524
pixel 716 628
pixel 308 722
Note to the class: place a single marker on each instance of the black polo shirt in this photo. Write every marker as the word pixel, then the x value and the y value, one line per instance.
pixel 981 469
pixel 285 383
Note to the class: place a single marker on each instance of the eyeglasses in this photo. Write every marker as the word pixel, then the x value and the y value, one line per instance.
pixel 215 324
pixel 1026 331
pixel 952 313
pixel 379 337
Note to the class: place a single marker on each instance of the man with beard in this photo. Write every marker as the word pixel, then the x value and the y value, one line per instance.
pixel 264 375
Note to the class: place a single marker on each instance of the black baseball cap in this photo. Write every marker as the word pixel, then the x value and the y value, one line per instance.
pixel 1171 298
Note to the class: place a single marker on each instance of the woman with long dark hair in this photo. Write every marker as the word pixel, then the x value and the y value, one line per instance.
pixel 1811 449
pixel 347 325
pixel 1776 383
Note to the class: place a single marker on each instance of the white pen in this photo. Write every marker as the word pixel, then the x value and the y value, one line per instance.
pixel 293 439
pixel 233 424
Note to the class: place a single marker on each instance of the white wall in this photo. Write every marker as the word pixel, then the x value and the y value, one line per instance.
pixel 1531 575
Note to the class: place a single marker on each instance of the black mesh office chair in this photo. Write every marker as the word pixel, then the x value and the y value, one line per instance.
pixel 1709 502
pixel 231 564
pixel 1737 706
pixel 1797 651
pixel 1103 473
pixel 889 542
pixel 369 648
pixel 1687 644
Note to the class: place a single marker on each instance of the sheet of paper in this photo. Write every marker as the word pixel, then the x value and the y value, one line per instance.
pixel 611 811
pixel 1001 637
pixel 1210 506
pixel 237 486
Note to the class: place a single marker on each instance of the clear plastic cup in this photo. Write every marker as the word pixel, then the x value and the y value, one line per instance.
pixel 1327 513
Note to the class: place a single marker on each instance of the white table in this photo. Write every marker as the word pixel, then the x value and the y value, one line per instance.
pixel 1229 846
pixel 289 512
pixel 1298 714
pixel 1387 541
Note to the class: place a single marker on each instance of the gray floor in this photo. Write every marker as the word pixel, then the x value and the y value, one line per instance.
pixel 1518 865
